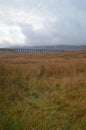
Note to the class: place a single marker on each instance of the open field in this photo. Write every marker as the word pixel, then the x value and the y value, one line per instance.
pixel 43 91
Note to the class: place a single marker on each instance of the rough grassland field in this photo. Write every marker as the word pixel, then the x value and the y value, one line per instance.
pixel 43 91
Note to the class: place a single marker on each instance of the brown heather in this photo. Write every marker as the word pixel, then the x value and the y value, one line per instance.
pixel 43 91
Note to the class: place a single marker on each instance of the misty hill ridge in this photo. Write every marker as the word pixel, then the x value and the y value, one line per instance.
pixel 58 47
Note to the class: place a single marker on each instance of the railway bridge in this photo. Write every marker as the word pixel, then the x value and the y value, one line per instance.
pixel 29 50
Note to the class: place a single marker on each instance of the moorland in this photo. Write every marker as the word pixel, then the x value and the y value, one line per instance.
pixel 43 91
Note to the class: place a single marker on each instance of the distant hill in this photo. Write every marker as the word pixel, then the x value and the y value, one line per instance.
pixel 58 47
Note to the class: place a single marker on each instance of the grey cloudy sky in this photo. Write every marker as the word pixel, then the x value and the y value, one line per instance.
pixel 42 22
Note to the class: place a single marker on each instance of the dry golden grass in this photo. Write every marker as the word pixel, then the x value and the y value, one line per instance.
pixel 43 91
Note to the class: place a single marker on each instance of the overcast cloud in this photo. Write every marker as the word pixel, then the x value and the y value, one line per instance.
pixel 42 22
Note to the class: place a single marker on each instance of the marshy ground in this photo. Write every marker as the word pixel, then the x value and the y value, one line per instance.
pixel 43 91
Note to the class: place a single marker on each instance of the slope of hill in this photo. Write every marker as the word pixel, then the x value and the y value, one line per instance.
pixel 58 47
